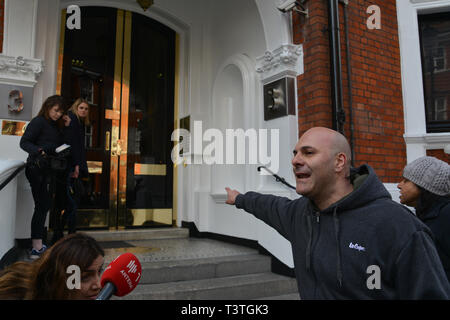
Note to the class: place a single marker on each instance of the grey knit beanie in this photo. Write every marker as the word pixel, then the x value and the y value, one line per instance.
pixel 429 173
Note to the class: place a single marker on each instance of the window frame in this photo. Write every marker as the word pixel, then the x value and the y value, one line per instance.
pixel 432 124
pixel 416 137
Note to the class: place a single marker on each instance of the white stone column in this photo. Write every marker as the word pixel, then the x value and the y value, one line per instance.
pixel 284 61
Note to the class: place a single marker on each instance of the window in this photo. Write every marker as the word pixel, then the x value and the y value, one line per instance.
pixel 439 59
pixel 87 89
pixel 440 109
pixel 435 50
pixel 88 136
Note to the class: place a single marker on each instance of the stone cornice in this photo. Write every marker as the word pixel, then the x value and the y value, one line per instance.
pixel 19 70
pixel 430 140
pixel 286 60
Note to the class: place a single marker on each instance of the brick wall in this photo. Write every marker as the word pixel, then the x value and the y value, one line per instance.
pixel 2 17
pixel 376 76
pixel 440 154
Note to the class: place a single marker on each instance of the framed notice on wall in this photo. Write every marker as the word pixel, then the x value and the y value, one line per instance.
pixel 13 128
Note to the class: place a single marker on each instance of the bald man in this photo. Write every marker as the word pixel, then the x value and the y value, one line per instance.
pixel 349 239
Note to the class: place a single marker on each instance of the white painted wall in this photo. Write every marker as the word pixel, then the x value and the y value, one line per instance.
pixel 8 197
pixel 20 28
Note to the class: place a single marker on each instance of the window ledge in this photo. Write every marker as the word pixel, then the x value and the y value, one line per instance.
pixel 431 140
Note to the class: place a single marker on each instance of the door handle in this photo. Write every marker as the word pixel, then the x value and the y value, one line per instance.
pixel 115 141
pixel 119 147
pixel 107 140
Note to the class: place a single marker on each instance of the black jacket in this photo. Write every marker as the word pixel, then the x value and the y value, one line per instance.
pixel 334 250
pixel 42 134
pixel 437 218
pixel 75 134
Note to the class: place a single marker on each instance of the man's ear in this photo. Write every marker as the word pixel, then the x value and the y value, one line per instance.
pixel 340 162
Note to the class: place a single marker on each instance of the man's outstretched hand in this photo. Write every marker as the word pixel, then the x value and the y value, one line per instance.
pixel 232 194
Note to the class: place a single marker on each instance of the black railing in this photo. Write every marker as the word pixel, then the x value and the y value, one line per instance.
pixel 12 176
pixel 277 177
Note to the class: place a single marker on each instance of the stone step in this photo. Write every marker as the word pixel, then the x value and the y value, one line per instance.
pixel 204 268
pixel 139 234
pixel 241 287
pixel 196 268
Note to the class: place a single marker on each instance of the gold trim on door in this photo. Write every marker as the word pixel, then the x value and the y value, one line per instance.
pixel 141 216
pixel 95 167
pixel 123 142
pixel 62 34
pixel 142 169
pixel 176 126
pixel 115 122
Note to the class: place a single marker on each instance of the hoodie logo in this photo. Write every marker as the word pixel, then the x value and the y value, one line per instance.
pixel 356 247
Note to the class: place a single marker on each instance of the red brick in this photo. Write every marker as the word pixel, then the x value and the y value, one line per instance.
pixel 440 154
pixel 376 78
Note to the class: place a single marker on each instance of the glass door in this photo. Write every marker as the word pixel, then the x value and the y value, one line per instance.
pixel 123 64
pixel 149 181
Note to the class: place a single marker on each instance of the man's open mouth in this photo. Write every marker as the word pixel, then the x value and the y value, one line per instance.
pixel 301 175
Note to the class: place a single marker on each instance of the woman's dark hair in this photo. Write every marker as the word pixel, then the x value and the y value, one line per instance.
pixel 46 277
pixel 15 280
pixel 49 103
pixel 51 277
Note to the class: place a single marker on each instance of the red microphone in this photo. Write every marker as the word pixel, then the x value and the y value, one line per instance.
pixel 120 277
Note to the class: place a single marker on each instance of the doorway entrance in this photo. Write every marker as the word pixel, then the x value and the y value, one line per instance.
pixel 123 63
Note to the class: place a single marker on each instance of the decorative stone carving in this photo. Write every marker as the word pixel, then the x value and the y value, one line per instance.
pixel 19 70
pixel 287 60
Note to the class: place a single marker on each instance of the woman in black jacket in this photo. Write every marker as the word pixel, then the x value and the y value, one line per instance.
pixel 75 133
pixel 42 136
pixel 426 186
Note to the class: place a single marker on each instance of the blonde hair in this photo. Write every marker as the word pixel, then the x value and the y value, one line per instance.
pixel 74 109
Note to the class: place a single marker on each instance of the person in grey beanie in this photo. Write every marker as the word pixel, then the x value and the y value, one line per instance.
pixel 426 187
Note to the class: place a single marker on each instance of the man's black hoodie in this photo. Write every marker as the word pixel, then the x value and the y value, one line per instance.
pixel 339 252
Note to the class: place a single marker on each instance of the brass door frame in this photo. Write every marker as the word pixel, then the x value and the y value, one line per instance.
pixel 62 33
pixel 123 141
pixel 118 114
pixel 119 123
pixel 115 121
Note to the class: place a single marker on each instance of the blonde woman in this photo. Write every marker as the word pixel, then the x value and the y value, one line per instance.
pixel 75 135
pixel 79 115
